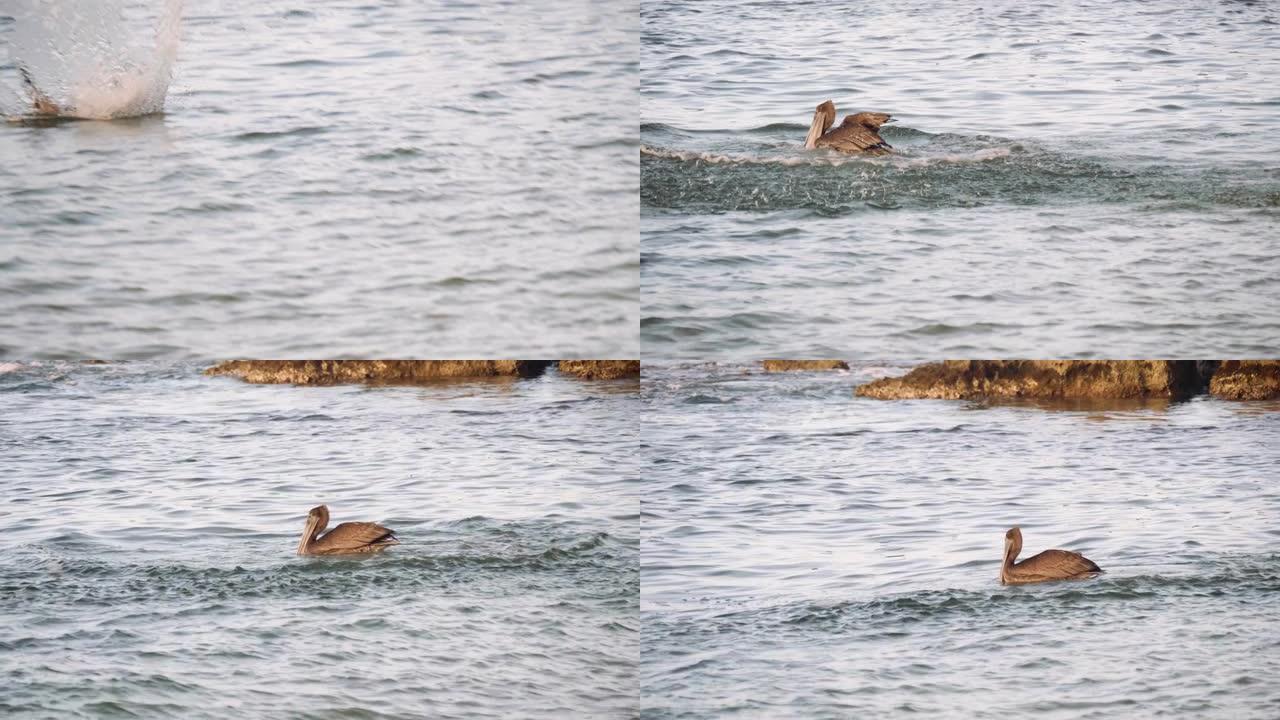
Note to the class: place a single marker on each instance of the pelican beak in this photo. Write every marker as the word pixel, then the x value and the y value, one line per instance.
pixel 307 532
pixel 886 122
pixel 815 132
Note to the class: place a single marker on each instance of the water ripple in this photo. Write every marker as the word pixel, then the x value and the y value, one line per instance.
pixel 322 153
pixel 811 553
pixel 155 513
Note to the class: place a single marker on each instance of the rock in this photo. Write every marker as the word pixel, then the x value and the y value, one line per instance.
pixel 408 372
pixel 803 365
pixel 967 379
pixel 600 369
pixel 1246 380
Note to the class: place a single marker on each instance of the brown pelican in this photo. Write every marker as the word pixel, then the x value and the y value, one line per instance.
pixel 859 133
pixel 345 539
pixel 1048 565
pixel 42 104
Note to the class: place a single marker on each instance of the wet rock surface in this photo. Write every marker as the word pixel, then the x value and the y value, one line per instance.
pixel 803 365
pixel 600 369
pixel 333 372
pixel 966 379
pixel 1246 380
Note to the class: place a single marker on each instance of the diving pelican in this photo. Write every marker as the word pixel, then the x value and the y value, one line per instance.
pixel 859 133
pixel 346 539
pixel 1048 565
pixel 43 106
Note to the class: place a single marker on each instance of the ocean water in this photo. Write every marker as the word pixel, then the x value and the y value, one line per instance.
pixel 809 554
pixel 428 179
pixel 1071 179
pixel 152 516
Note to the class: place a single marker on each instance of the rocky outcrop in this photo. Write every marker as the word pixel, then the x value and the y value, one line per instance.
pixel 1246 380
pixel 803 365
pixel 600 369
pixel 333 372
pixel 1066 379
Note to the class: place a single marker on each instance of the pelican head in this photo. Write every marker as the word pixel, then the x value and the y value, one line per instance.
pixel 823 118
pixel 317 520
pixel 872 120
pixel 1012 545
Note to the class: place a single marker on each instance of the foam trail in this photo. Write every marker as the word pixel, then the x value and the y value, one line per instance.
pixel 85 55
pixel 898 160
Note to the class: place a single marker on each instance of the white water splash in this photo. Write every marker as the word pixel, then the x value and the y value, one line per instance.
pixel 100 59
pixel 832 159
pixel 977 156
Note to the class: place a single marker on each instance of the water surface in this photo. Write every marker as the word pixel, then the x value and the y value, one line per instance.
pixel 152 516
pixel 809 554
pixel 335 179
pixel 1071 178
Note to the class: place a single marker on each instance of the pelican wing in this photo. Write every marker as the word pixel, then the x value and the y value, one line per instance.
pixel 351 537
pixel 852 138
pixel 1055 564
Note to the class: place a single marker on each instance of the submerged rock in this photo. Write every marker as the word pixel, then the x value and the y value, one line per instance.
pixel 967 379
pixel 803 365
pixel 333 372
pixel 1246 380
pixel 600 369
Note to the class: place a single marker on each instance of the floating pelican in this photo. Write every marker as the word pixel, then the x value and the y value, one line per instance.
pixel 859 133
pixel 345 539
pixel 1048 565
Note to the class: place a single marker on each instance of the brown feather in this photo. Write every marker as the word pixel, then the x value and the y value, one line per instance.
pixel 853 136
pixel 1051 565
pixel 354 537
pixel 859 133
pixel 855 139
pixel 346 538
pixel 1048 565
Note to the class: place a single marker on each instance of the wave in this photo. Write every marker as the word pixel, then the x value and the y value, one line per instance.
pixel 1223 577
pixel 832 160
pixel 944 170
pixel 38 571
pixel 785 129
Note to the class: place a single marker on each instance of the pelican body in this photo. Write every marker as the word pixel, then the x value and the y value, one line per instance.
pixel 348 538
pixel 859 133
pixel 1048 565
